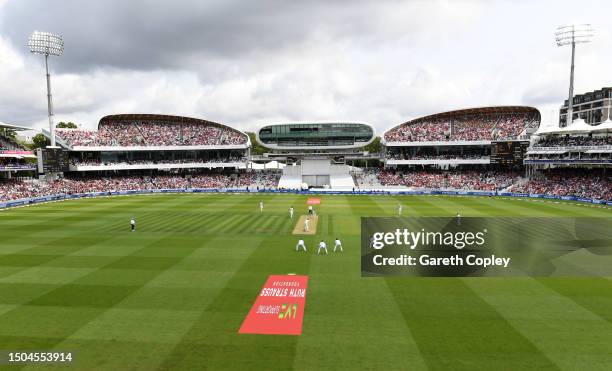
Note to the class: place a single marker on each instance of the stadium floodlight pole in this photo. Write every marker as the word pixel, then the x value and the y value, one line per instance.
pixel 47 44
pixel 572 35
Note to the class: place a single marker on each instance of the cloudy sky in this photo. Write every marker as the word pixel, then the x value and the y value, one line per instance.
pixel 247 63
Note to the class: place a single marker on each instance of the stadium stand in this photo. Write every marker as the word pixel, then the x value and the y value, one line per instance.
pixel 8 144
pixel 479 124
pixel 575 182
pixel 437 179
pixel 18 189
pixel 291 178
pixel 574 140
pixel 97 162
pixel 340 177
pixel 152 131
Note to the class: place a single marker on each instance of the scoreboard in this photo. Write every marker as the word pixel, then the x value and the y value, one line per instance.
pixel 52 160
pixel 508 153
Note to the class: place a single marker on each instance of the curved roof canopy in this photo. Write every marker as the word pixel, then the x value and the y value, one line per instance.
pixel 13 127
pixel 493 110
pixel 163 118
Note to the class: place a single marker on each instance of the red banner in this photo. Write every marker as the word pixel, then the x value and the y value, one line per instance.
pixel 11 152
pixel 313 201
pixel 279 308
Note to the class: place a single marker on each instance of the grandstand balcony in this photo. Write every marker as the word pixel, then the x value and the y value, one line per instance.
pixel 581 150
pixel 439 143
pixel 473 126
pixel 431 161
pixel 159 166
pixel 149 132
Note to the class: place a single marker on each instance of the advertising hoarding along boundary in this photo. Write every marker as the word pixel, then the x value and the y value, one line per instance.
pixel 59 197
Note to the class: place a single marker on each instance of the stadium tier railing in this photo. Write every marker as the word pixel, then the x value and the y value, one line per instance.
pixel 61 197
pixel 437 143
pixel 185 165
pixel 456 161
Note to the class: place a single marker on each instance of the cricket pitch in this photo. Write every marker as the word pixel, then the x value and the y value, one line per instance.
pixel 312 227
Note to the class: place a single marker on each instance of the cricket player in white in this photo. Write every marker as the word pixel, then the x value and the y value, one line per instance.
pixel 300 244
pixel 133 224
pixel 338 244
pixel 291 212
pixel 261 206
pixel 322 245
pixel 399 209
pixel 306 223
pixel 458 218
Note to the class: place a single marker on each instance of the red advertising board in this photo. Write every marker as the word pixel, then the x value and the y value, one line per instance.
pixel 313 201
pixel 11 152
pixel 279 308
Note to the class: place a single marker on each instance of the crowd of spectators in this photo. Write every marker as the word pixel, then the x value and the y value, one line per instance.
pixel 437 179
pixel 442 156
pixel 267 179
pixel 510 127
pixel 8 144
pixel 141 133
pixel 17 189
pixel 435 130
pixel 475 128
pixel 469 128
pixel 573 141
pixel 79 162
pixel 584 183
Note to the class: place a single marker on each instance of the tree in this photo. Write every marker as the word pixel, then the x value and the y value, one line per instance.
pixel 39 141
pixel 373 147
pixel 66 125
pixel 9 133
pixel 256 148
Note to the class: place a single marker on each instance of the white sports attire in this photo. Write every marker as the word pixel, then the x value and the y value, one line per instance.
pixel 306 223
pixel 300 244
pixel 322 245
pixel 133 224
pixel 291 212
pixel 261 207
pixel 338 244
pixel 399 210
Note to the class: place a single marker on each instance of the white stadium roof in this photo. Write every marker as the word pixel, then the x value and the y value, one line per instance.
pixel 14 127
pixel 577 127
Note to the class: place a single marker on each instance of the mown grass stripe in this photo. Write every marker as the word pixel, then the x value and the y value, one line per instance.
pixel 543 315
pixel 456 329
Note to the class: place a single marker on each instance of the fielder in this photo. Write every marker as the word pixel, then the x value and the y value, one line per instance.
pixel 338 244
pixel 291 212
pixel 300 244
pixel 261 206
pixel 133 224
pixel 306 224
pixel 322 245
pixel 399 209
pixel 458 218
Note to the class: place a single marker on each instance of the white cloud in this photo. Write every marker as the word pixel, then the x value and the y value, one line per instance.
pixel 378 62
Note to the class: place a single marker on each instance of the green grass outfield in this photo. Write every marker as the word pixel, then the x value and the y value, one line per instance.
pixel 173 294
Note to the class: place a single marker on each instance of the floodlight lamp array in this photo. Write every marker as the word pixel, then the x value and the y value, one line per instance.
pixel 577 34
pixel 46 43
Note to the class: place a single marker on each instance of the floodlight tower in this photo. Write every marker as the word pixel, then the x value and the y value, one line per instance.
pixel 572 35
pixel 47 44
